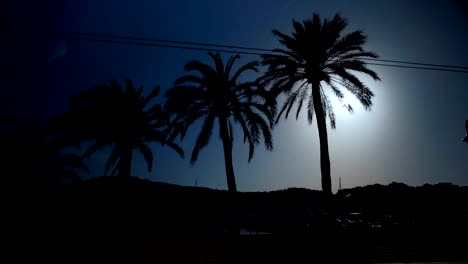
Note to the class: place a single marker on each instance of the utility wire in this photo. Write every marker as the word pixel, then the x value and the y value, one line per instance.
pixel 231 47
pixel 419 63
pixel 415 67
pixel 114 39
pixel 155 40
pixel 150 44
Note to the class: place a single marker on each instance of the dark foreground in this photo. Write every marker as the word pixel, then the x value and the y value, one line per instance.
pixel 338 248
pixel 111 220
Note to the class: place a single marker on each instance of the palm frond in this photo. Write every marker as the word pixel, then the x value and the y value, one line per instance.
pixel 231 132
pixel 310 109
pixel 93 149
pixel 115 170
pixel 238 118
pixel 229 65
pixel 147 155
pixel 188 79
pixel 252 66
pixel 350 42
pixel 112 161
pixel 284 39
pixel 302 98
pixel 203 68
pixel 354 65
pixel 218 61
pixel 153 94
pixel 203 137
pixel 176 147
pixel 328 109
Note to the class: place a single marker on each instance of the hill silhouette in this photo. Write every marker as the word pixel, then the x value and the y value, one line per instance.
pixel 127 218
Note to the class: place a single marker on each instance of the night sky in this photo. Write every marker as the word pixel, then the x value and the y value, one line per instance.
pixel 412 135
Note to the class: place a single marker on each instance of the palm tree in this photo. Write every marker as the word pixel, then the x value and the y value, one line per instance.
pixel 215 93
pixel 123 119
pixel 35 157
pixel 316 56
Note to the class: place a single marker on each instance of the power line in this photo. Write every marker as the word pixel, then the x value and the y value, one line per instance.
pixel 231 50
pixel 419 63
pixel 414 67
pixel 156 40
pixel 231 47
pixel 150 44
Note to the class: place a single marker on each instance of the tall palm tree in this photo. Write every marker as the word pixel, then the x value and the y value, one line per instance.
pixel 317 56
pixel 122 118
pixel 217 93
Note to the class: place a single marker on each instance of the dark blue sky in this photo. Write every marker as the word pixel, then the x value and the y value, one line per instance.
pixel 413 134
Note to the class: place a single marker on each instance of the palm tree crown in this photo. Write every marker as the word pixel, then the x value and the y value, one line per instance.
pixel 215 93
pixel 316 56
pixel 122 118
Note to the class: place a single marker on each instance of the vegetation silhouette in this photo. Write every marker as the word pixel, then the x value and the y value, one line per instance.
pixel 122 118
pixel 316 54
pixel 218 93
pixel 32 156
pixel 375 223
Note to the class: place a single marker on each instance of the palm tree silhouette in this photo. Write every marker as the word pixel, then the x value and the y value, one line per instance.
pixel 316 54
pixel 36 156
pixel 217 93
pixel 121 118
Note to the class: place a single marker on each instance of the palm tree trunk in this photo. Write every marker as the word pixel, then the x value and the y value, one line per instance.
pixel 125 164
pixel 232 220
pixel 322 129
pixel 227 146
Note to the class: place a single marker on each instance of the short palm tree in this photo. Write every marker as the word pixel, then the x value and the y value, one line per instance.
pixel 122 118
pixel 318 56
pixel 216 93
pixel 35 157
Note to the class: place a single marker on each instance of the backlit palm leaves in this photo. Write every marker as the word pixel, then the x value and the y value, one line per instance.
pixel 318 57
pixel 217 94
